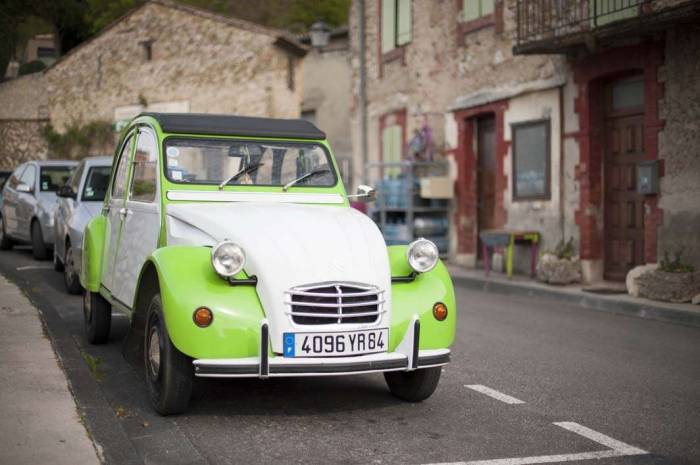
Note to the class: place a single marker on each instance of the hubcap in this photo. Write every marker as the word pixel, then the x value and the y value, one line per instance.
pixel 68 264
pixel 154 352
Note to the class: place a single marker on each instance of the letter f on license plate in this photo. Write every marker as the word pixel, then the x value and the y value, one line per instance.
pixel 334 344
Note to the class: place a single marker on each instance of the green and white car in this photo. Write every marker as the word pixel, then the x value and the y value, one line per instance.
pixel 231 245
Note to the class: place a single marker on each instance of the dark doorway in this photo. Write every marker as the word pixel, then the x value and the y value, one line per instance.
pixel 486 174
pixel 623 150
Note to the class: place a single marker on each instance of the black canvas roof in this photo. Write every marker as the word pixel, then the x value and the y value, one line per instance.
pixel 228 125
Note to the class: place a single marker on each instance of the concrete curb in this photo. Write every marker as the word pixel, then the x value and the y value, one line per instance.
pixel 642 308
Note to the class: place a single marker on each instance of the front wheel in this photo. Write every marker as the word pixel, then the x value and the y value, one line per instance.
pixel 413 386
pixel 70 277
pixel 97 313
pixel 39 249
pixel 169 372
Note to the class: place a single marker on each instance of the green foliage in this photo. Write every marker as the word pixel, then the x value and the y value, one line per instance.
pixel 564 250
pixel 142 101
pixel 676 265
pixel 31 67
pixel 78 141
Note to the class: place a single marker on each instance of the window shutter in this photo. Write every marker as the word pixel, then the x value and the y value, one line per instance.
pixel 403 35
pixel 388 25
pixel 487 7
pixel 470 9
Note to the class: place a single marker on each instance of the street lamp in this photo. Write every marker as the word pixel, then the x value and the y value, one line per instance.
pixel 320 34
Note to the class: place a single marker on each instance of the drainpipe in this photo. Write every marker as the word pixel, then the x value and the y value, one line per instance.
pixel 562 171
pixel 363 89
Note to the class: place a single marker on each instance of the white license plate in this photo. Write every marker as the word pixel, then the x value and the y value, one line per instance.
pixel 335 344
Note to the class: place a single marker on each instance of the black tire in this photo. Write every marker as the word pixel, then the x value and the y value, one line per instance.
pixel 70 277
pixel 5 242
pixel 39 249
pixel 57 264
pixel 169 372
pixel 97 313
pixel 413 386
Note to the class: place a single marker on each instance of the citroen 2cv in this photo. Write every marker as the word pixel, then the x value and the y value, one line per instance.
pixel 231 245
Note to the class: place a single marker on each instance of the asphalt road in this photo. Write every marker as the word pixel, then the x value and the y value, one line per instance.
pixel 584 387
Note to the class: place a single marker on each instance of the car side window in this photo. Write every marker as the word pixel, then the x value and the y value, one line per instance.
pixel 143 181
pixel 75 178
pixel 119 183
pixel 29 176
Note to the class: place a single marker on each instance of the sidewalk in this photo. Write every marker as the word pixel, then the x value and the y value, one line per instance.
pixel 625 304
pixel 39 422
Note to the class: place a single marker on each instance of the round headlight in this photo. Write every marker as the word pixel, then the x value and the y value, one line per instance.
pixel 422 255
pixel 227 258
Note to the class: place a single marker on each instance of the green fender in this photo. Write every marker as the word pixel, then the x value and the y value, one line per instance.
pixel 93 248
pixel 417 298
pixel 188 281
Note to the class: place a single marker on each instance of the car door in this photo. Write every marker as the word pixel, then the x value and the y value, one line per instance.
pixel 141 222
pixel 26 202
pixel 9 201
pixel 114 213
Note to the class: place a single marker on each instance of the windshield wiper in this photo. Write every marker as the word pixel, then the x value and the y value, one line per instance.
pixel 306 176
pixel 246 170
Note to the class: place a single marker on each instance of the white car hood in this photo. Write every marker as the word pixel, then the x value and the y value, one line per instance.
pixel 289 245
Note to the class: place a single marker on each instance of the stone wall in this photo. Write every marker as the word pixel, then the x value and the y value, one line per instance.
pixel 21 141
pixel 24 98
pixel 679 145
pixel 214 64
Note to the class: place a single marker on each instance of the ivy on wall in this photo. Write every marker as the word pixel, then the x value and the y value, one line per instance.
pixel 78 141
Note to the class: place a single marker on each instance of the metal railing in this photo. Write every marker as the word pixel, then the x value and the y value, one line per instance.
pixel 541 20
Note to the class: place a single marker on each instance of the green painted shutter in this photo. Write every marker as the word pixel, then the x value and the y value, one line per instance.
pixel 403 34
pixel 391 148
pixel 470 9
pixel 487 7
pixel 388 25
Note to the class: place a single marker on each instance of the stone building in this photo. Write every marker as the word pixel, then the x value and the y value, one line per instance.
pixel 547 117
pixel 327 94
pixel 161 56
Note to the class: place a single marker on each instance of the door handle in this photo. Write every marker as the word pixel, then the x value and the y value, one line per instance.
pixel 124 213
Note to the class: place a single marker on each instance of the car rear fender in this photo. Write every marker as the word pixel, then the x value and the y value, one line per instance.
pixel 93 252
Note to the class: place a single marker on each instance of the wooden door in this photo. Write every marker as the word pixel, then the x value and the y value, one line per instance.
pixel 623 150
pixel 486 173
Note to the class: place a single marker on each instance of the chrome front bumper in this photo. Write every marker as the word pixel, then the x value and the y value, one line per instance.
pixel 407 357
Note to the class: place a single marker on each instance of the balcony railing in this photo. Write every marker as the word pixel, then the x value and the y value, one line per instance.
pixel 549 21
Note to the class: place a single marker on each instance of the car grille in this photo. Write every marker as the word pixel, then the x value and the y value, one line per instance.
pixel 329 303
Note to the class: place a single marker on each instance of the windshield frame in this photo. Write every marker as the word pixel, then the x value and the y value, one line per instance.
pixel 327 152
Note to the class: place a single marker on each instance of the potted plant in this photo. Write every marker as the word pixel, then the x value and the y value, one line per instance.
pixel 561 265
pixel 673 281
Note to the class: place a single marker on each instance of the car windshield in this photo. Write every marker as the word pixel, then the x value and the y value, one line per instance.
pixel 96 183
pixel 53 177
pixel 211 161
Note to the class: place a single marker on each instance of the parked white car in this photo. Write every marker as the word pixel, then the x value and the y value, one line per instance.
pixel 29 200
pixel 79 201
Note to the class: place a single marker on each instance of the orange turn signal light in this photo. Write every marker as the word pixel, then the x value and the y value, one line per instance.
pixel 203 317
pixel 440 311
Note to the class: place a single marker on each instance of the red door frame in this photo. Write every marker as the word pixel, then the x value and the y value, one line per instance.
pixel 590 75
pixel 466 186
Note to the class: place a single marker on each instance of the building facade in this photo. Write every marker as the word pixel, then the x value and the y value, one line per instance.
pixel 162 56
pixel 548 113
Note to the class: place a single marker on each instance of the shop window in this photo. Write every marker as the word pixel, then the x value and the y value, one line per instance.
pixel 396 24
pixel 531 160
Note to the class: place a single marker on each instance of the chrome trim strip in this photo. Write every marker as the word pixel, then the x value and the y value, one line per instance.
pixel 335 315
pixel 339 304
pixel 333 295
pixel 276 197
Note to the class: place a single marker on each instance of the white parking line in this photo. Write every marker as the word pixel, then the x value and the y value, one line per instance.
pixel 34 267
pixel 617 449
pixel 493 393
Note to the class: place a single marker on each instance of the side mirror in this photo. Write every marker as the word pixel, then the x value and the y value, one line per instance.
pixel 364 194
pixel 66 191
pixel 24 188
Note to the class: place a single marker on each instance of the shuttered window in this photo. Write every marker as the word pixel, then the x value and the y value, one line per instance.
pixel 396 24
pixel 475 9
pixel 391 147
